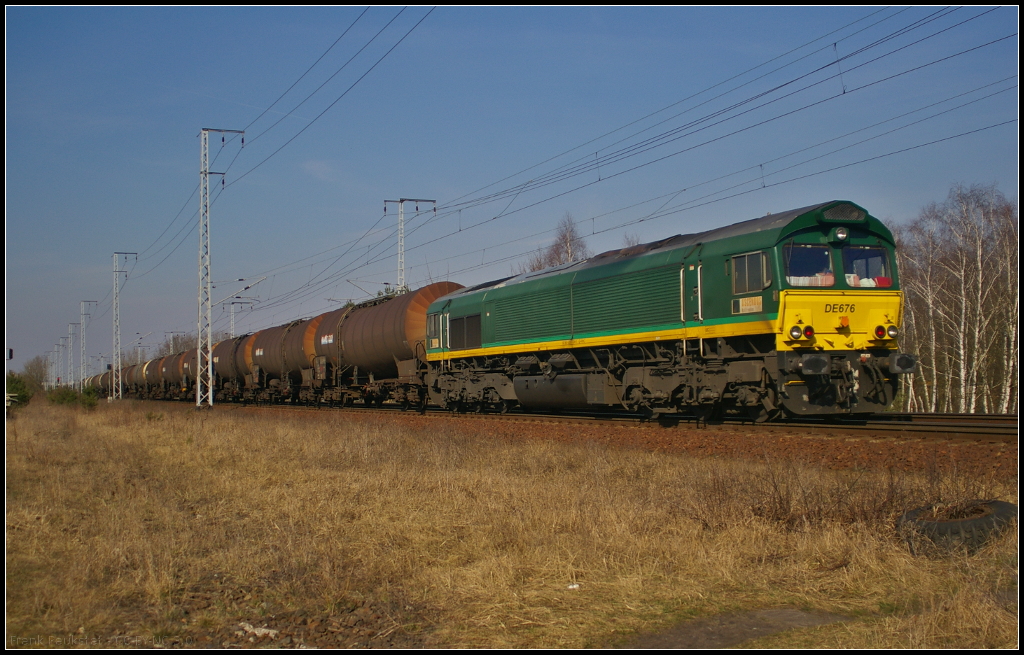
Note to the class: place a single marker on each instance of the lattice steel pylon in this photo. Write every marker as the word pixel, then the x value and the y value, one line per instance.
pixel 72 381
pixel 204 339
pixel 83 368
pixel 401 288
pixel 115 373
pixel 60 360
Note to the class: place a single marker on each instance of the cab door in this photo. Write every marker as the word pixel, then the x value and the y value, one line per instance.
pixel 693 293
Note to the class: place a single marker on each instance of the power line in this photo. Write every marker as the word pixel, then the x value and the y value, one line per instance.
pixel 678 102
pixel 691 206
pixel 518 190
pixel 194 190
pixel 313 65
pixel 718 138
pixel 591 164
pixel 587 165
pixel 343 66
pixel 320 115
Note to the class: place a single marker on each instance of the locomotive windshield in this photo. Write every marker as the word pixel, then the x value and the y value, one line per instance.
pixel 808 266
pixel 866 267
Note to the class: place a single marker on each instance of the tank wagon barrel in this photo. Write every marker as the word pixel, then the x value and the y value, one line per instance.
pixel 376 338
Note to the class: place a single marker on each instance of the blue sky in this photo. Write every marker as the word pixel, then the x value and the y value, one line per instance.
pixel 648 121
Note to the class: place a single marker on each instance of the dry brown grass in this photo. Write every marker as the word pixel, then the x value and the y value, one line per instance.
pixel 117 515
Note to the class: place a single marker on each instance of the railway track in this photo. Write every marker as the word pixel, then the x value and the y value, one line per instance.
pixel 983 428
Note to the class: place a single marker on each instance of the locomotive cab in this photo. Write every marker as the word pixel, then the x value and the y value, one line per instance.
pixel 840 313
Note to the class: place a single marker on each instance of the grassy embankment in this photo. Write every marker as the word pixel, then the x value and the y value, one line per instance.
pixel 115 516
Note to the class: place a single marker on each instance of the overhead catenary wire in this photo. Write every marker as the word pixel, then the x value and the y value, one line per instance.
pixel 314 120
pixel 586 165
pixel 678 210
pixel 353 245
pixel 709 200
pixel 690 187
pixel 718 138
pixel 336 100
pixel 516 191
pixel 604 161
pixel 519 189
pixel 674 104
pixel 301 77
pixel 263 113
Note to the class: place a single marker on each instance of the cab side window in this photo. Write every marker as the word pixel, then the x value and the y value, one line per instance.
pixel 751 272
pixel 434 331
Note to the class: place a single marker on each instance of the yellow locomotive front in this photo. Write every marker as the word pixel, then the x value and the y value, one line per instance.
pixel 840 313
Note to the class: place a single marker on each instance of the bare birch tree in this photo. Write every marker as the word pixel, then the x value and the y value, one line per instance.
pixel 567 246
pixel 958 269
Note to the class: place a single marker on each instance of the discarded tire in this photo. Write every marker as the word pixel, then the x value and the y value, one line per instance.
pixel 970 526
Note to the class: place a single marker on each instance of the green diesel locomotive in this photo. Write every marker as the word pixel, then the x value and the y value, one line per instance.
pixel 794 313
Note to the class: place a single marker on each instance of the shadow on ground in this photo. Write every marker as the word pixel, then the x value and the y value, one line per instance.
pixel 733 629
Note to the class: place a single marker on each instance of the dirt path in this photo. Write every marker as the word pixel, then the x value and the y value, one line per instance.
pixel 726 630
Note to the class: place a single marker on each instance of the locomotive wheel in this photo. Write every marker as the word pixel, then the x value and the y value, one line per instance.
pixel 970 525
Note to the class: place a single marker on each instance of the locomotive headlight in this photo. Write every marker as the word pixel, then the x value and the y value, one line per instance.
pixel 893 331
pixel 842 233
pixel 795 332
pixel 880 332
pixel 808 332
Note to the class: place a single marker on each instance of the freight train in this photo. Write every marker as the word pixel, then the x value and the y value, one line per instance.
pixel 795 314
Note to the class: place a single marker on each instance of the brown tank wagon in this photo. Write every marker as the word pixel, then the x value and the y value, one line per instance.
pixel 372 351
pixel 376 338
pixel 152 371
pixel 225 358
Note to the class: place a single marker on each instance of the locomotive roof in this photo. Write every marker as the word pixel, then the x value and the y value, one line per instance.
pixel 771 222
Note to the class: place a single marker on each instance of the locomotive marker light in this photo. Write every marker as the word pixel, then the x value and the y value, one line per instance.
pixel 840 234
